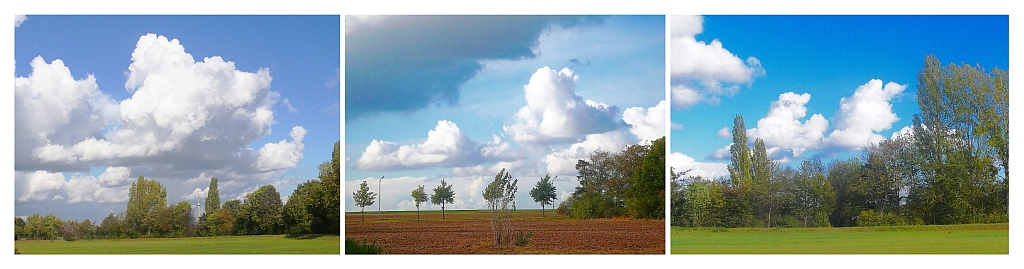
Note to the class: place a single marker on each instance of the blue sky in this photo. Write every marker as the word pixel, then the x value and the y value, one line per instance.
pixel 251 100
pixel 826 57
pixel 461 97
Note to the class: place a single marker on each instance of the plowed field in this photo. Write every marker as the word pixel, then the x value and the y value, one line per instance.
pixel 470 233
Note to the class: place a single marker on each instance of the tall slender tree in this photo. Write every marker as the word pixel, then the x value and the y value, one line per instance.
pixel 212 197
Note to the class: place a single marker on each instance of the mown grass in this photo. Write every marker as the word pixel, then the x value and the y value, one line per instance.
pixel 261 244
pixel 929 239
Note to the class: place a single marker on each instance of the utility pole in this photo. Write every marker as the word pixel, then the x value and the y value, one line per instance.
pixel 379 195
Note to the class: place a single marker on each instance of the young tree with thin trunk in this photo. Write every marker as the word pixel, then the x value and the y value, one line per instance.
pixel 543 192
pixel 443 194
pixel 363 197
pixel 419 195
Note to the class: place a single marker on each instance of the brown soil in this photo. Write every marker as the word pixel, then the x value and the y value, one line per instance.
pixel 470 233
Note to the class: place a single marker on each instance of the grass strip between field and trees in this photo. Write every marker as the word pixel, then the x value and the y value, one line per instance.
pixel 921 239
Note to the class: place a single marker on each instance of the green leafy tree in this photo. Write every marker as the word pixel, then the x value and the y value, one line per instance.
pixel 844 175
pixel 297 219
pixel 146 198
pixel 766 189
pixel 647 192
pixel 741 166
pixel 184 219
pixel 19 227
pixel 212 197
pixel 443 194
pixel 419 195
pixel 363 198
pixel 500 195
pixel 544 192
pixel 262 211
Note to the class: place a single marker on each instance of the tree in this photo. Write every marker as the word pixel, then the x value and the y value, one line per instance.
pixel 212 197
pixel 500 194
pixel 766 189
pixel 185 220
pixel 544 192
pixel 262 211
pixel 962 140
pixel 364 197
pixel 443 194
pixel 297 219
pixel 419 196
pixel 647 192
pixel 145 199
pixel 844 175
pixel 741 165
pixel 19 227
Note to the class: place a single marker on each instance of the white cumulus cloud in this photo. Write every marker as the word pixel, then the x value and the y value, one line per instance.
pixel 555 114
pixel 708 69
pixel 646 124
pixel 708 170
pixel 861 116
pixel 781 127
pixel 446 146
pixel 283 154
pixel 19 19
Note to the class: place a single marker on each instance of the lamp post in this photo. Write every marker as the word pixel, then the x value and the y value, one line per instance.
pixel 380 195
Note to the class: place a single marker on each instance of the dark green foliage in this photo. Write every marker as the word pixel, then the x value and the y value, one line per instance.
pixel 296 218
pixel 212 197
pixel 356 247
pixel 261 212
pixel 543 193
pixel 443 194
pixel 647 192
pixel 617 184
pixel 146 199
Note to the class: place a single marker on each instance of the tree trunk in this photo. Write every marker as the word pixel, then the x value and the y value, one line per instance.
pixel 417 212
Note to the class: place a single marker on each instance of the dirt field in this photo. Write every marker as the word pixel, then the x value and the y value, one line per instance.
pixel 469 232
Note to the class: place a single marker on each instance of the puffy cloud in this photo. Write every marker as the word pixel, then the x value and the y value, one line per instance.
pixel 116 176
pixel 182 113
pixel 711 68
pixel 861 116
pixel 781 127
pixel 684 97
pixel 436 55
pixel 647 124
pixel 54 109
pixel 40 186
pixel 445 146
pixel 721 153
pixel 708 170
pixel 555 114
pixel 725 133
pixel 563 162
pixel 284 154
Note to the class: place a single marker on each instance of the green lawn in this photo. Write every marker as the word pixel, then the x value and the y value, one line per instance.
pixel 932 239
pixel 262 244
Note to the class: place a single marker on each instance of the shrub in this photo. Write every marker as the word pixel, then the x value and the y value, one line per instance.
pixel 355 247
pixel 523 238
pixel 872 218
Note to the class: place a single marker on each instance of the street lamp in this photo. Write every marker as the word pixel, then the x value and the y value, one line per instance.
pixel 380 195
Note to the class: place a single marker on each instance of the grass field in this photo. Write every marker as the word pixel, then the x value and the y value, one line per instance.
pixel 469 232
pixel 931 239
pixel 258 244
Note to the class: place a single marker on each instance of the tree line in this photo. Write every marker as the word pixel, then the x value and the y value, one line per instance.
pixel 952 168
pixel 628 183
pixel 313 207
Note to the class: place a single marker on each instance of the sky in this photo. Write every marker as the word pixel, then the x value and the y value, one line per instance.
pixel 102 100
pixel 810 86
pixel 460 98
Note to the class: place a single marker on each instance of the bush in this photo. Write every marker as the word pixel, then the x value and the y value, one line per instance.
pixel 355 247
pixel 872 218
pixel 523 238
